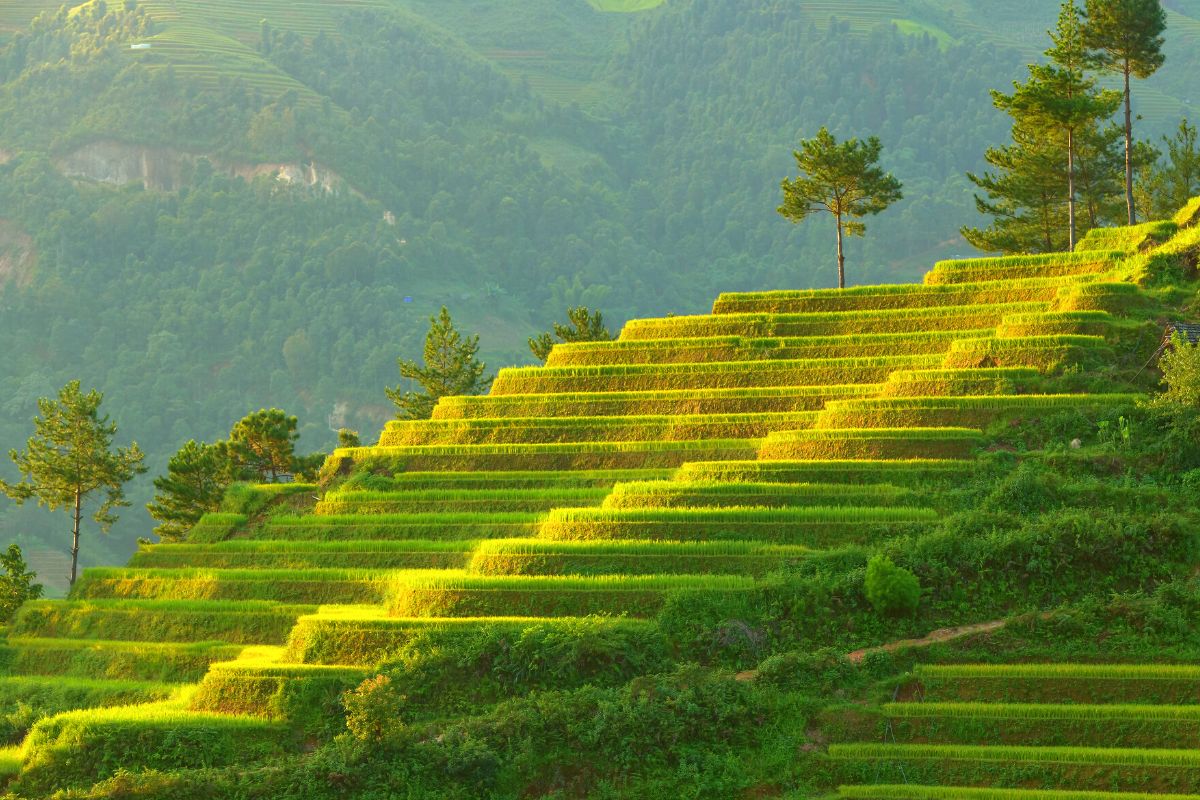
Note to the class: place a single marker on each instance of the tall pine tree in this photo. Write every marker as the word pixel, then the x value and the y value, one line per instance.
pixel 1125 37
pixel 1061 99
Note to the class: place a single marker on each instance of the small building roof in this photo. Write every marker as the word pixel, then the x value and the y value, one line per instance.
pixel 1190 331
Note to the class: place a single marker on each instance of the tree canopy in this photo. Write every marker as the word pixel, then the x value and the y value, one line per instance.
pixel 451 367
pixel 844 180
pixel 583 325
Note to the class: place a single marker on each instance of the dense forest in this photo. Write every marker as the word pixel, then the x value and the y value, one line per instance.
pixel 149 247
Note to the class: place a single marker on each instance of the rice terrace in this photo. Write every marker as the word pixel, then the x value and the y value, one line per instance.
pixel 932 534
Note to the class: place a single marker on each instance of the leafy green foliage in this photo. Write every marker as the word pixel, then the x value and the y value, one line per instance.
pixel 262 444
pixel 583 325
pixel 843 179
pixel 70 457
pixel 1166 187
pixel 451 368
pixel 16 584
pixel 196 480
pixel 891 589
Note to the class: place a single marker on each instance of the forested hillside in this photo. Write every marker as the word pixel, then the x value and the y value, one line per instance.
pixel 209 207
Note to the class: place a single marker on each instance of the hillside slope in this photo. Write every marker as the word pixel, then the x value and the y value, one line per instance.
pixel 703 489
pixel 241 215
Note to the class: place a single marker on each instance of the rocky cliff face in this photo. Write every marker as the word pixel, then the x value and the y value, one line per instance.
pixel 166 169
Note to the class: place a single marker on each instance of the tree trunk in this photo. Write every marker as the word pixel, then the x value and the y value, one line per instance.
pixel 1071 190
pixel 841 256
pixel 1128 149
pixel 75 535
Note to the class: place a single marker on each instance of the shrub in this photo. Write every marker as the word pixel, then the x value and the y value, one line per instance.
pixel 16 584
pixel 373 709
pixel 891 589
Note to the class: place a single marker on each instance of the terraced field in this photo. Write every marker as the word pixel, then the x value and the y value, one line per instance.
pixel 693 455
pixel 1099 730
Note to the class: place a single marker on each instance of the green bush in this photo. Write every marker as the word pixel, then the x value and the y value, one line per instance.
pixel 890 589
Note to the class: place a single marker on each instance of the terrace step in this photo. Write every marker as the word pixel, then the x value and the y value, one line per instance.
pixel 840 323
pixel 360 635
pixel 445 593
pixel 737 348
pixel 671 402
pixel 401 527
pixel 891 296
pixel 532 430
pixel 979 381
pixel 245 622
pixel 183 662
pixel 1047 354
pixel 301 554
pixel 707 375
pixel 901 472
pixel 487 500
pixel 965 411
pixel 555 456
pixel 1061 683
pixel 630 557
pixel 913 792
pixel 1016 268
pixel 818 526
pixel 717 494
pixel 1046 724
pixel 262 683
pixel 541 479
pixel 42 695
pixel 872 443
pixel 314 586
pixel 1080 768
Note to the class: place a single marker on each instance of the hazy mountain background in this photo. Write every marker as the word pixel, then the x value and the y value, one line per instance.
pixel 210 206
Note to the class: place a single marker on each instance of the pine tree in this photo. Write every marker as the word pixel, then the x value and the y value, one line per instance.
pixel 1125 37
pixel 1022 196
pixel 583 325
pixel 1164 189
pixel 263 445
pixel 451 368
pixel 70 457
pixel 844 180
pixel 196 479
pixel 1059 97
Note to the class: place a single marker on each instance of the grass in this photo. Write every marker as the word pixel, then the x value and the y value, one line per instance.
pixel 872 443
pixel 662 494
pixel 281 585
pixel 978 411
pixel 911 792
pixel 1094 323
pixel 541 479
pixel 531 430
pixel 1128 239
pixel 892 296
pixel 1081 672
pixel 113 660
pixel 735 348
pixel 678 401
pixel 1188 215
pixel 1043 711
pixel 1083 756
pixel 540 557
pixel 903 320
pixel 449 594
pixel 449 526
pixel 555 456
pixel 1047 354
pixel 903 472
pixel 302 554
pixel 977 381
pixel 445 501
pixel 1006 268
pixel 813 526
pixel 236 622
pixel 720 374
pixel 364 635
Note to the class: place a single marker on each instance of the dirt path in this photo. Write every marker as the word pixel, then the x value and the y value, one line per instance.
pixel 940 635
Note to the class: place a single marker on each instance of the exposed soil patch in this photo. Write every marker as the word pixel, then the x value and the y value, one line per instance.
pixel 17 255
pixel 940 635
